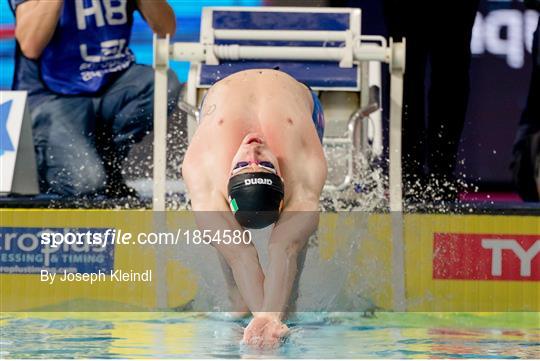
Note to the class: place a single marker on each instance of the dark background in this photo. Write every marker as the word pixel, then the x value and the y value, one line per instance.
pixel 500 73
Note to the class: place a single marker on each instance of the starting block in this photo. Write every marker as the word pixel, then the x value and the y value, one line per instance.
pixel 321 47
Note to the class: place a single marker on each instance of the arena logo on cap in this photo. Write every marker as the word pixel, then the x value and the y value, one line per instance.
pixel 255 181
pixel 486 257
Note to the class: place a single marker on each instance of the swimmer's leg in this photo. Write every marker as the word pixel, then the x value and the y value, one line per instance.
pixel 239 309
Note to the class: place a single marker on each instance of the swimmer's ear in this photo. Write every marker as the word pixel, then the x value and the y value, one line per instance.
pixel 281 205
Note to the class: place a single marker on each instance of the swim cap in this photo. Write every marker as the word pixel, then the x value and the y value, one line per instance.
pixel 255 198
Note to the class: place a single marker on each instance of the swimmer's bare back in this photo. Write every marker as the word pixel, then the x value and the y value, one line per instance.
pixel 270 103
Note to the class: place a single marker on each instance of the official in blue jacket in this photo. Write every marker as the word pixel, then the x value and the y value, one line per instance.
pixel 89 100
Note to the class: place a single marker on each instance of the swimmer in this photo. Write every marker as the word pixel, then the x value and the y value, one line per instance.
pixel 257 158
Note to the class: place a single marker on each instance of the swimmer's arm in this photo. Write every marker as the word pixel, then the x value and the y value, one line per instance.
pixel 159 16
pixel 299 220
pixel 213 213
pixel 35 23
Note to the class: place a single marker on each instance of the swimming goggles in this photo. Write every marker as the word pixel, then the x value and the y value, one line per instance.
pixel 263 164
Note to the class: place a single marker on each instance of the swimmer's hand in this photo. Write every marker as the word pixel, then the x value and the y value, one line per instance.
pixel 265 331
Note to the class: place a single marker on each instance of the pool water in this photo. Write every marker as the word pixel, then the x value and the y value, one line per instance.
pixel 312 335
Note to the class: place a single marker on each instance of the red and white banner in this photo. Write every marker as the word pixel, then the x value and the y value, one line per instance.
pixel 486 257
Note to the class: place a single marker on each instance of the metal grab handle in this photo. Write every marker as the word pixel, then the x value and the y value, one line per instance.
pixel 353 125
pixel 189 109
pixel 361 140
pixel 372 107
pixel 348 178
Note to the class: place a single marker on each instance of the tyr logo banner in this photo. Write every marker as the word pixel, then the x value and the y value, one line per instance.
pixel 486 257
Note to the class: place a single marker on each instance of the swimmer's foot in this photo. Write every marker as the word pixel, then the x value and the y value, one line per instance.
pixel 265 331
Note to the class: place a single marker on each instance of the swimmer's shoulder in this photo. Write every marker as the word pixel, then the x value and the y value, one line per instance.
pixel 202 186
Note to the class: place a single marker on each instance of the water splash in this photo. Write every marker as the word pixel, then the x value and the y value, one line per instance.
pixel 366 194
